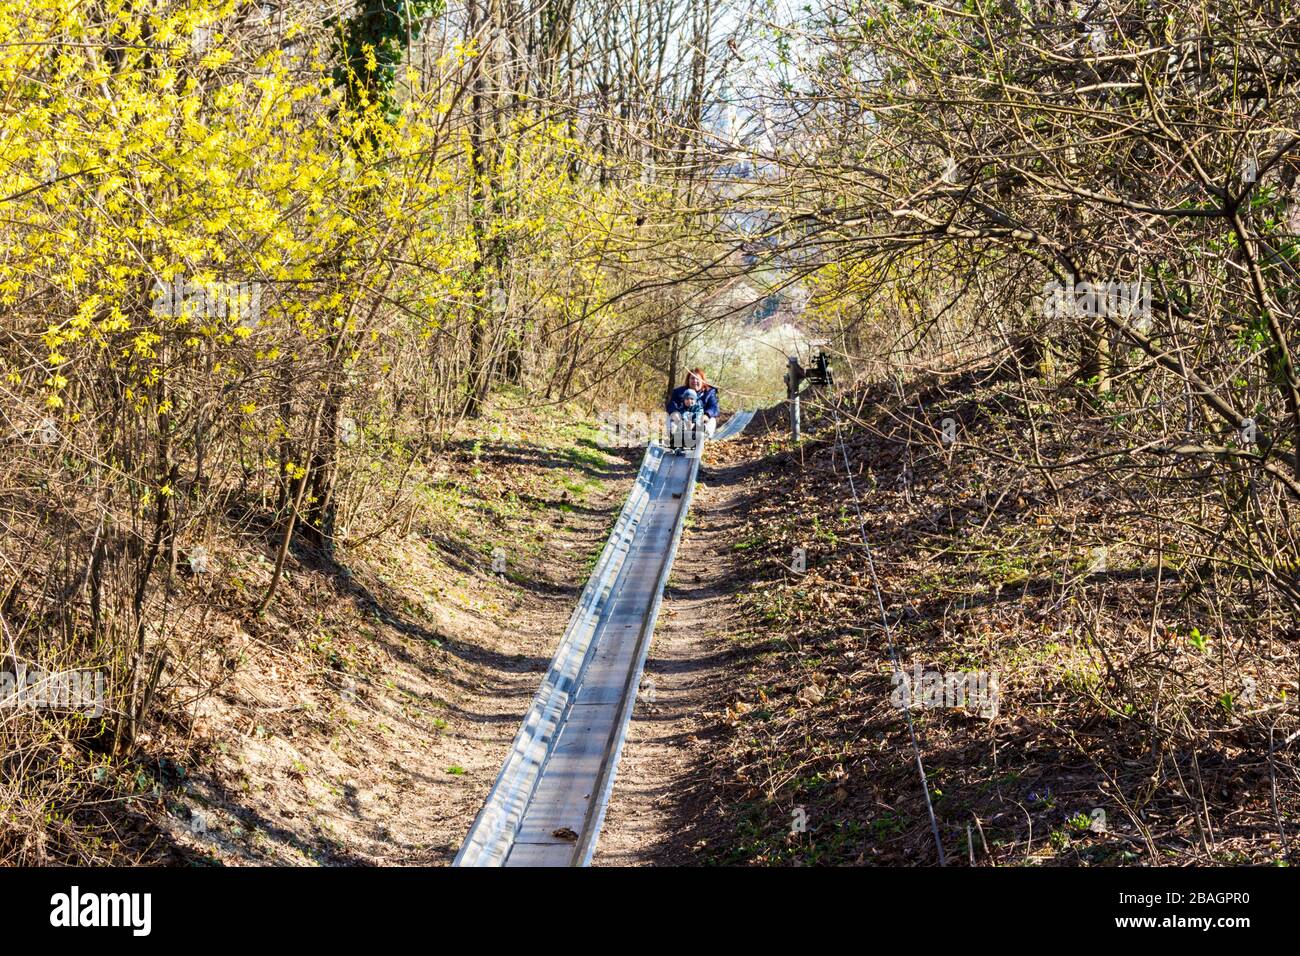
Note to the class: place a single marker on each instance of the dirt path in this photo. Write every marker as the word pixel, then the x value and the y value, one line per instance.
pixel 371 711
pixel 506 663
pixel 685 678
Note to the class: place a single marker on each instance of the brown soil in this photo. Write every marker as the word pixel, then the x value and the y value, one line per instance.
pixel 684 687
pixel 1111 743
pixel 368 714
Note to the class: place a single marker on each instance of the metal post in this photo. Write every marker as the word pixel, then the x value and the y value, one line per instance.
pixel 793 376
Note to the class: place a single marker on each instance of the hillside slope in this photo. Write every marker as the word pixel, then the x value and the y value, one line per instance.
pixel 363 717
pixel 1124 703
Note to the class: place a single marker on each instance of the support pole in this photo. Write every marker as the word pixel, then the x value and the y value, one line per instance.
pixel 793 379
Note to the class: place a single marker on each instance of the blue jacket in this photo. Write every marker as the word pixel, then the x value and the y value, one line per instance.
pixel 707 402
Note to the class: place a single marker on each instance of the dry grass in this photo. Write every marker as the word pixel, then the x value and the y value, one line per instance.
pixel 1154 682
pixel 362 717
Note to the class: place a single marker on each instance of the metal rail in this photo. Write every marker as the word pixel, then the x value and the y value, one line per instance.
pixel 734 425
pixel 548 803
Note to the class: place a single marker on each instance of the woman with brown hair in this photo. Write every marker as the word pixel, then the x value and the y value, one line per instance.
pixel 697 400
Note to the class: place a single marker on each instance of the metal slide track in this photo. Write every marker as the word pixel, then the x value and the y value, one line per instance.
pixel 734 425
pixel 548 803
